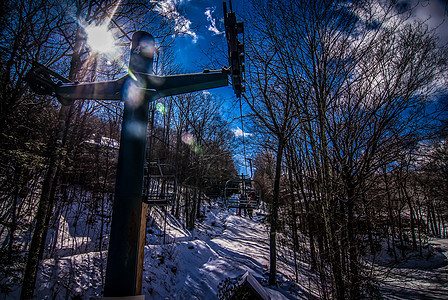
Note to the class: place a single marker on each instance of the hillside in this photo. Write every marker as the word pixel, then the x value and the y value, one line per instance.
pixel 191 265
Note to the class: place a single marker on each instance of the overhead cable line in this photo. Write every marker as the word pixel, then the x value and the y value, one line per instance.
pixel 243 133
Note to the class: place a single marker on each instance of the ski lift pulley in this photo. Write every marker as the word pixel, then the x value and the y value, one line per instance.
pixel 235 49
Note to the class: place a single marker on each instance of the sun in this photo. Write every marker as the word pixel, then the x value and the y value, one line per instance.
pixel 100 39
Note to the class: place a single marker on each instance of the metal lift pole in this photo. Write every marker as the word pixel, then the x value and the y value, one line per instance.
pixel 122 259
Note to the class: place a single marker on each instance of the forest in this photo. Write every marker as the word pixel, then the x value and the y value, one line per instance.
pixel 345 115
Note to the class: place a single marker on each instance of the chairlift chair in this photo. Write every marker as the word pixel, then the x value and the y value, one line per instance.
pixel 159 184
pixel 237 190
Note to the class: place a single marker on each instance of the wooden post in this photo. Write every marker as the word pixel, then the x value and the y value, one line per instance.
pixel 141 250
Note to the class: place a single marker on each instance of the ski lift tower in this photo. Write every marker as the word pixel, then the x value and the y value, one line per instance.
pixel 136 89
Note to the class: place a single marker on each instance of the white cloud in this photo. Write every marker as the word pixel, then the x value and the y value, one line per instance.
pixel 212 27
pixel 434 14
pixel 239 133
pixel 167 9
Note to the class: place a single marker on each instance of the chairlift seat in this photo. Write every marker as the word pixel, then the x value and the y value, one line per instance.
pixel 160 184
pixel 241 185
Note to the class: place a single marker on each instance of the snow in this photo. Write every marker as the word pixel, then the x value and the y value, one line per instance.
pixel 191 264
pixel 223 245
pixel 419 277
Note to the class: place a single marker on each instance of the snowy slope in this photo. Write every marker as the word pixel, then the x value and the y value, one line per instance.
pixel 420 277
pixel 191 264
pixel 224 245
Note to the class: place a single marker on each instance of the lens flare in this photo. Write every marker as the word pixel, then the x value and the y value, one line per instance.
pixel 133 92
pixel 161 108
pixel 136 130
pixel 187 138
pixel 197 149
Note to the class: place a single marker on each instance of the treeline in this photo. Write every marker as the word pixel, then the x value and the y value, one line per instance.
pixel 350 101
pixel 58 163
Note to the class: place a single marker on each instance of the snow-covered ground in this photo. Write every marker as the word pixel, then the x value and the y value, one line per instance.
pixel 191 264
pixel 419 277
pixel 223 246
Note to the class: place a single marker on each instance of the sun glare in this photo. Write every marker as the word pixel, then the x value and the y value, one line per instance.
pixel 100 39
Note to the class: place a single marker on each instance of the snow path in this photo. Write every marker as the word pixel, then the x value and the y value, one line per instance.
pixel 223 246
pixel 226 245
pixel 237 250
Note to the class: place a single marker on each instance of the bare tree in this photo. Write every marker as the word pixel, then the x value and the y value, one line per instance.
pixel 202 147
pixel 358 74
pixel 271 101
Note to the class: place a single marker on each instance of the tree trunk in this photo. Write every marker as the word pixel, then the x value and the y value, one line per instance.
pixel 295 238
pixel 411 216
pixel 355 292
pixel 274 215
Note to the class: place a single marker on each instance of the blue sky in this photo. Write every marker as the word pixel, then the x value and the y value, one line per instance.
pixel 202 44
pixel 201 22
pixel 206 25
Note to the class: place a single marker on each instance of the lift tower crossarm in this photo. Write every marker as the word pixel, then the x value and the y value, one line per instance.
pixel 185 83
pixel 155 86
